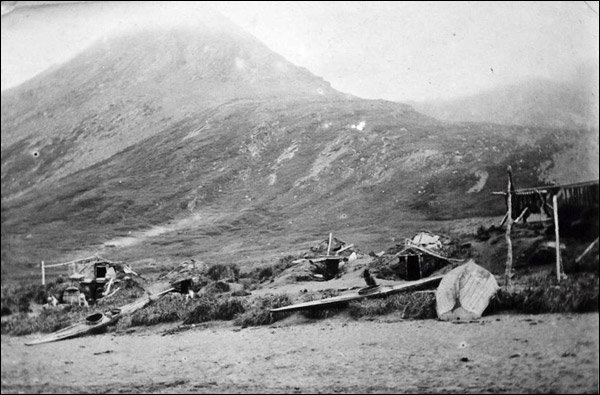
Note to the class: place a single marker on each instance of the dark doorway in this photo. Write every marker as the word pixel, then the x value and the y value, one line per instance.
pixel 100 271
pixel 331 268
pixel 413 267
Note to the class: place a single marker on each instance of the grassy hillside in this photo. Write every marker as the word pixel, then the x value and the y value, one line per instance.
pixel 168 145
pixel 535 102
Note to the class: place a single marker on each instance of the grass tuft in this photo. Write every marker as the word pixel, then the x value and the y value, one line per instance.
pixel 576 294
pixel 415 305
pixel 49 320
pixel 259 312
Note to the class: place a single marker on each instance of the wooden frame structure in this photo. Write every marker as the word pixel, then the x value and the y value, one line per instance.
pixel 578 196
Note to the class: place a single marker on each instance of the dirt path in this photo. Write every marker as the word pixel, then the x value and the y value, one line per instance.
pixel 500 354
pixel 138 237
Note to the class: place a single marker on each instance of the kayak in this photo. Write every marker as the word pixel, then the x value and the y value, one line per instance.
pixel 367 292
pixel 97 322
pixel 94 323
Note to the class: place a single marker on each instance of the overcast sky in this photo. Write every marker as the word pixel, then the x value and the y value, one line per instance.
pixel 389 50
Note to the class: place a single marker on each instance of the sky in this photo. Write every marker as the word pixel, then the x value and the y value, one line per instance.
pixel 400 51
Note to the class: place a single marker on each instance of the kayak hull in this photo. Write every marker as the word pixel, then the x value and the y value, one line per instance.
pixel 377 292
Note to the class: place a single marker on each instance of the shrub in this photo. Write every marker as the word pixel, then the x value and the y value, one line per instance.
pixel 482 233
pixel 227 309
pixel 209 308
pixel 201 313
pixel 217 287
pixel 259 312
pixel 16 298
pixel 415 305
pixel 49 320
pixel 156 312
pixel 220 271
pixel 264 273
pixel 576 294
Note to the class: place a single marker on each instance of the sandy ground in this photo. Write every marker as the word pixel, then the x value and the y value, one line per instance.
pixel 499 354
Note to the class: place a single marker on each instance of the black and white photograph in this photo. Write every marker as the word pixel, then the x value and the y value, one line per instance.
pixel 300 197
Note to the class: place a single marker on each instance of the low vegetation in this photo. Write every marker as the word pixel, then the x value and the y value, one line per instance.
pixel 269 272
pixel 530 294
pixel 576 294
pixel 415 305
pixel 17 298
pixel 258 312
pixel 49 320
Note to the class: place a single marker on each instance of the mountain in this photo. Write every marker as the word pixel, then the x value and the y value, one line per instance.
pixel 166 144
pixel 124 90
pixel 571 104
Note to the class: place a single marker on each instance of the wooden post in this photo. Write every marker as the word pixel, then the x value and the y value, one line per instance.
pixel 509 255
pixel 329 244
pixel 556 234
pixel 584 253
pixel 522 214
pixel 503 220
pixel 43 274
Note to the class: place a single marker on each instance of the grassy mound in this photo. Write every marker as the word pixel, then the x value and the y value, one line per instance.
pixel 203 309
pixel 416 305
pixel 258 313
pixel 210 309
pixel 17 298
pixel 576 294
pixel 49 320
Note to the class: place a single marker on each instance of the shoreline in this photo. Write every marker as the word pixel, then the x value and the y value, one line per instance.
pixel 497 354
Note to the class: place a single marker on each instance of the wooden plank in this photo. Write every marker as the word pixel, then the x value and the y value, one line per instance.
pixel 555 187
pixel 522 214
pixel 429 252
pixel 142 302
pixel 82 260
pixel 344 248
pixel 325 258
pixel 584 253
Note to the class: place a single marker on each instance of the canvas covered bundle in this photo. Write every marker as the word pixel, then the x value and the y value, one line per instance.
pixel 465 292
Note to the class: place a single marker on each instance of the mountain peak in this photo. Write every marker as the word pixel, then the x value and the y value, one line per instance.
pixel 203 63
pixel 128 87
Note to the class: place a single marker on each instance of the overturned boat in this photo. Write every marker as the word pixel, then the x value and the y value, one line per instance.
pixel 465 292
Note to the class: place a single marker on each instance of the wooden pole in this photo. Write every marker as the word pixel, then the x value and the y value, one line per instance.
pixel 329 244
pixel 584 253
pixel 522 214
pixel 43 274
pixel 556 234
pixel 509 255
pixel 503 220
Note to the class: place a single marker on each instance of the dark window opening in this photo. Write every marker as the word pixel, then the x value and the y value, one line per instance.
pixel 100 271
pixel 413 267
pixel 331 268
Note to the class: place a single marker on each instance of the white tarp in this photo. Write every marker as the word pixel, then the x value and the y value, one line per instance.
pixel 465 292
pixel 427 240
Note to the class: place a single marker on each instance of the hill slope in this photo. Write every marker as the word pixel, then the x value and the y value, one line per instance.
pixel 207 144
pixel 539 102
